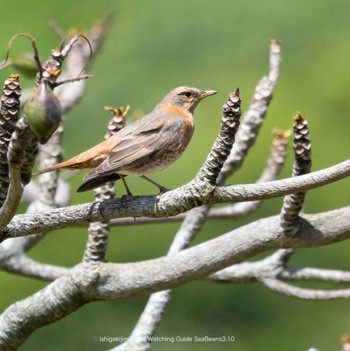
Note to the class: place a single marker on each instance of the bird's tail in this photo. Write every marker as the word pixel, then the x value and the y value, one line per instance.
pixel 55 167
pixel 98 181
pixel 73 163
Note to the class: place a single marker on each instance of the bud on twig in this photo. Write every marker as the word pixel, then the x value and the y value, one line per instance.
pixel 43 112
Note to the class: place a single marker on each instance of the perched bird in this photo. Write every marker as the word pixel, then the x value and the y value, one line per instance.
pixel 144 146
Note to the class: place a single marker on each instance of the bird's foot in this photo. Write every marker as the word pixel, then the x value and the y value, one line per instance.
pixel 162 190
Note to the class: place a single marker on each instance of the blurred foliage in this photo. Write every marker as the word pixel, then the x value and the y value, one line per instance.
pixel 152 47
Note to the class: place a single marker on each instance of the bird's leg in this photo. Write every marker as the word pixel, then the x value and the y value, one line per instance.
pixel 126 185
pixel 162 189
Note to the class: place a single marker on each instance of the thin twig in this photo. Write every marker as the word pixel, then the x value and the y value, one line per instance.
pixel 302 293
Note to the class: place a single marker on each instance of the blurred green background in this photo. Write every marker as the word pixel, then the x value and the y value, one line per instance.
pixel 152 47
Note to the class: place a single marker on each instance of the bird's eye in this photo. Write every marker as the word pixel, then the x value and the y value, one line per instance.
pixel 188 94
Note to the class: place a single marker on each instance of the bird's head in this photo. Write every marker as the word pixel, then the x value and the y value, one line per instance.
pixel 187 97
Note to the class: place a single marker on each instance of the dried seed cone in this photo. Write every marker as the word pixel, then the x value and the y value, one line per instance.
pixel 301 146
pixel 293 204
pixel 230 121
pixel 232 106
pixel 43 112
pixel 9 115
pixel 118 120
pixel 279 148
pixel 10 105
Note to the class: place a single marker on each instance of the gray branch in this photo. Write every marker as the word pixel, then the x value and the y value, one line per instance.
pixel 274 268
pixel 169 204
pixel 114 281
pixel 302 293
pixel 201 260
pixel 158 302
pixel 315 274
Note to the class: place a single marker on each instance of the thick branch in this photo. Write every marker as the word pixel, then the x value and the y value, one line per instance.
pixel 59 299
pixel 169 204
pixel 152 315
pixel 124 280
pixel 114 281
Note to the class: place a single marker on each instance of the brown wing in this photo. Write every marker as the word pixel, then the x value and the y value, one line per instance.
pixel 141 145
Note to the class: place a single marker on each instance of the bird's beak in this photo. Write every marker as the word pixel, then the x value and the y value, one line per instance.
pixel 207 93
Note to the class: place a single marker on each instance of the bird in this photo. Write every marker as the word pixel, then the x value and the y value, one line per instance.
pixel 142 147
